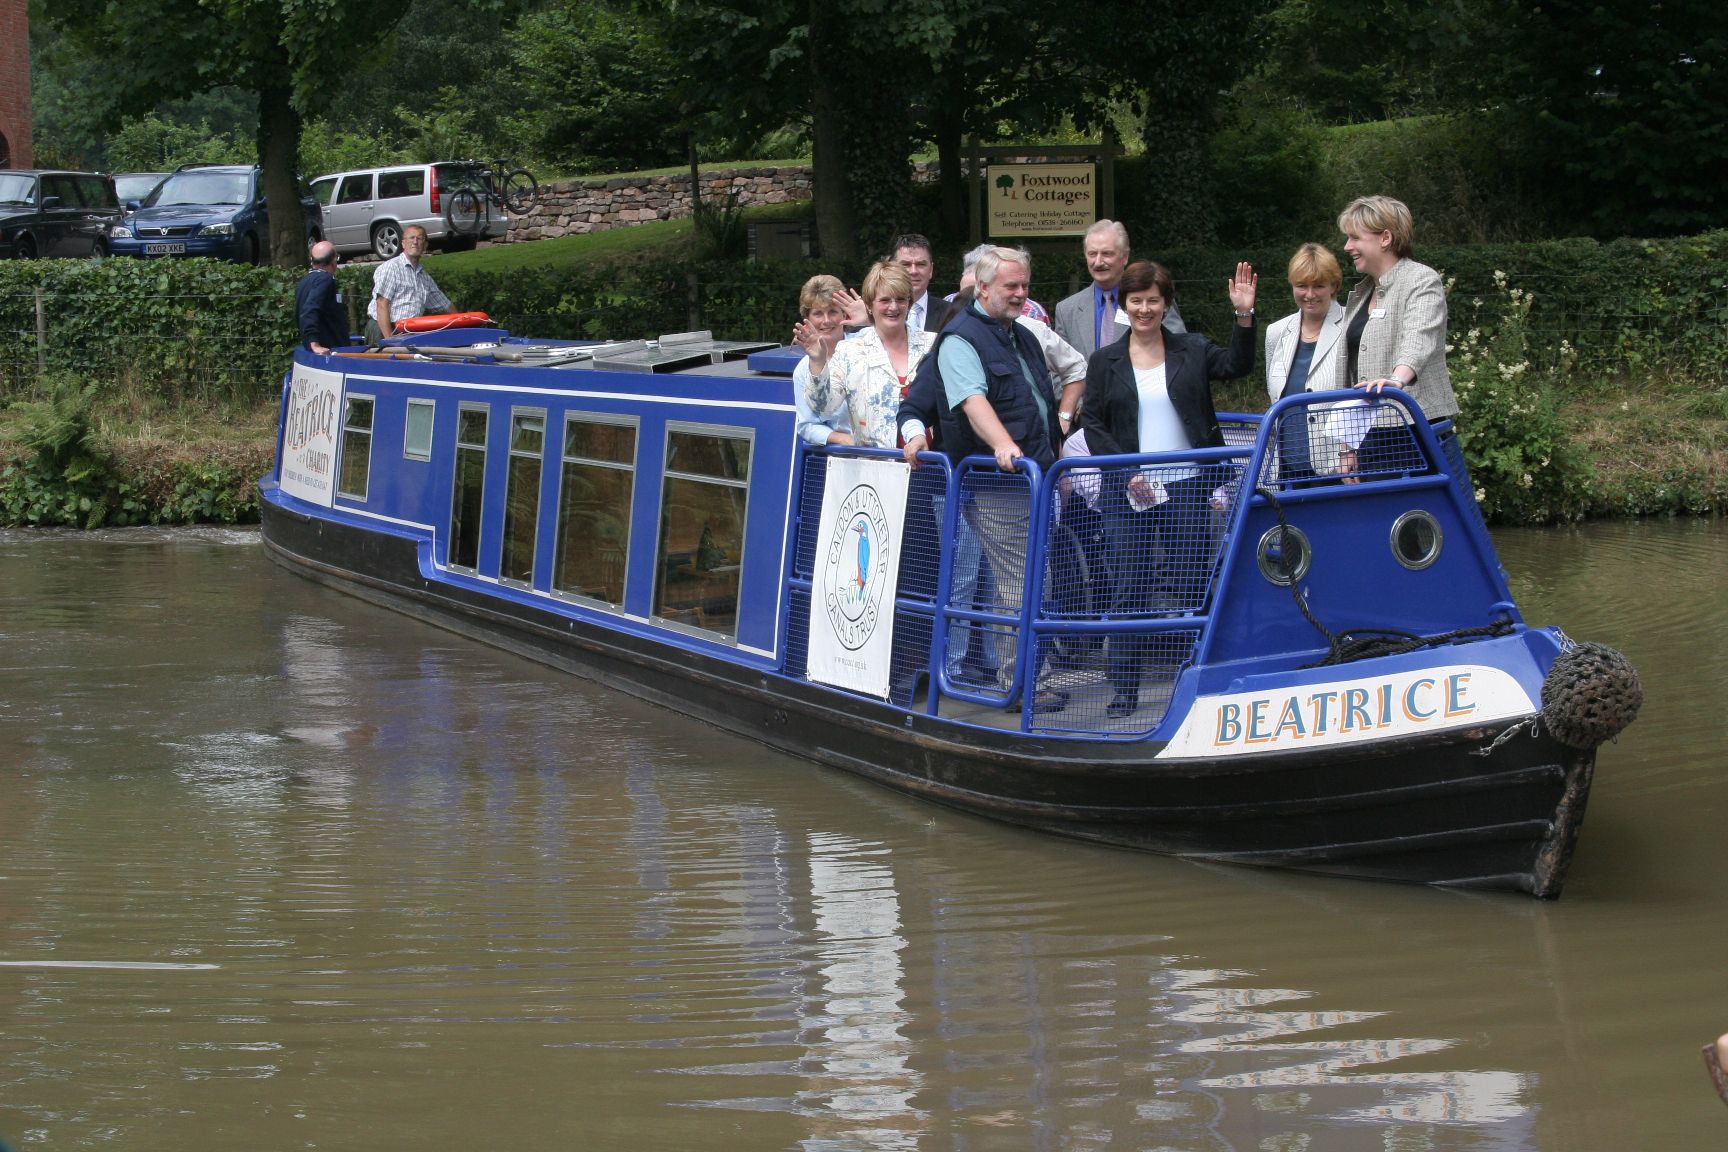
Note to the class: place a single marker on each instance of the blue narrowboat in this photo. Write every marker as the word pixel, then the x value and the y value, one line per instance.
pixel 1330 672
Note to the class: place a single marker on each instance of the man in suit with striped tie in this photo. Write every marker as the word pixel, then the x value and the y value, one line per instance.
pixel 912 252
pixel 1092 318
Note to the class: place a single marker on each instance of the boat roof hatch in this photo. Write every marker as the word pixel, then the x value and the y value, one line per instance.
pixel 675 352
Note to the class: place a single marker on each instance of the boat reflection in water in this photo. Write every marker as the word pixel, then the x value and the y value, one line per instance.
pixel 557 917
pixel 1023 1033
pixel 879 994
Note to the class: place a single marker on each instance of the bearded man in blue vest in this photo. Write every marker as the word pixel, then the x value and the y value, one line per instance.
pixel 997 400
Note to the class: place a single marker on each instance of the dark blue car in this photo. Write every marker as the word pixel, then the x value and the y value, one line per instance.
pixel 207 210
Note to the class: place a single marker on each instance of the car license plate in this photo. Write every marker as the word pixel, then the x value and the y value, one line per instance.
pixel 176 249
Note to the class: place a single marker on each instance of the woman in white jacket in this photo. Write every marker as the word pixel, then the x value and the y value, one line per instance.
pixel 1300 357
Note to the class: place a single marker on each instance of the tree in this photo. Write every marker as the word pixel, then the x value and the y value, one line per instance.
pixel 291 53
pixel 1628 103
pixel 594 87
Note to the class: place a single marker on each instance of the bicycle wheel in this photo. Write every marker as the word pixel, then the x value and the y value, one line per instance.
pixel 521 191
pixel 465 213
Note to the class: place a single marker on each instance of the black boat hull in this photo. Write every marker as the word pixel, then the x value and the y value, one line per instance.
pixel 1429 809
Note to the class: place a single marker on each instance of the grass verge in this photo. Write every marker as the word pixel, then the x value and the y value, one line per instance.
pixel 657 239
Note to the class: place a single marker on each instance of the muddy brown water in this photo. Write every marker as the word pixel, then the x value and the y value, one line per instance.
pixel 283 870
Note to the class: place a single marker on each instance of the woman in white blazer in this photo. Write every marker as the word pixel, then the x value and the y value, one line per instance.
pixel 1300 351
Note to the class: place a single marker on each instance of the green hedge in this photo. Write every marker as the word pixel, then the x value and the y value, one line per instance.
pixel 193 329
pixel 202 330
pixel 1584 315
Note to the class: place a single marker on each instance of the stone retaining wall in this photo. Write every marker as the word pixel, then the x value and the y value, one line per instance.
pixel 575 207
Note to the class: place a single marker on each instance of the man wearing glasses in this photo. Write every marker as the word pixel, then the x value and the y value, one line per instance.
pixel 402 289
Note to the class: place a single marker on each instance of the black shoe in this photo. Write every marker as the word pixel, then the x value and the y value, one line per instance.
pixel 1053 700
pixel 1122 704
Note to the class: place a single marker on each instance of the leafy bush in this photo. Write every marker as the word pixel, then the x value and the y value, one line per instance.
pixel 62 475
pixel 325 149
pixel 181 329
pixel 151 144
pixel 1525 469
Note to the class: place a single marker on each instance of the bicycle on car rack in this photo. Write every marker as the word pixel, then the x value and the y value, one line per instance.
pixel 483 189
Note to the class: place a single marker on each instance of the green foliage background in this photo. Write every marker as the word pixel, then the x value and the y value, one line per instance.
pixel 1586 315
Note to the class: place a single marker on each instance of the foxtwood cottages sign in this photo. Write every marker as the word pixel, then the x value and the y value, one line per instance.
pixel 1040 199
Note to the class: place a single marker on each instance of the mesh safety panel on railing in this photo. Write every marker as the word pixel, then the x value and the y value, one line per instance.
pixel 1136 547
pixel 1239 431
pixel 1138 540
pixel 814 477
pixel 996 512
pixel 1120 685
pixel 1351 439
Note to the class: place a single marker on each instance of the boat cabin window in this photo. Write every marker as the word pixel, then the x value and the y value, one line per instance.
pixel 522 493
pixel 594 498
pixel 356 447
pixel 417 430
pixel 702 505
pixel 466 501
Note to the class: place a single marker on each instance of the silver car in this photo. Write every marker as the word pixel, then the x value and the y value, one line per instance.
pixel 366 210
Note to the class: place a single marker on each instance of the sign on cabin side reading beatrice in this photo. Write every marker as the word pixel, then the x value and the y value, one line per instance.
pixel 309 431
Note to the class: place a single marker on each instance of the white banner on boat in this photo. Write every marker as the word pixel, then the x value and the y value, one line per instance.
pixel 310 428
pixel 1348 711
pixel 857 572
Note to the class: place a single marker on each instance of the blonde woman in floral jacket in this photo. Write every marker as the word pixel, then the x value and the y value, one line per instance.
pixel 861 384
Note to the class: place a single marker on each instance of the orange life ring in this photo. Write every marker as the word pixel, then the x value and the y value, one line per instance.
pixel 438 321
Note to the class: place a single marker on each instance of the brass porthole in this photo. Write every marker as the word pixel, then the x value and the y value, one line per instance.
pixel 1284 554
pixel 1416 539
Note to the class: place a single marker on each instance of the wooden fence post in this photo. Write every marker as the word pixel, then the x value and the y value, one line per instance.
pixel 41 336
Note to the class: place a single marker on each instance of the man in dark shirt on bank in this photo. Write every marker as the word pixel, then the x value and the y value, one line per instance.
pixel 318 303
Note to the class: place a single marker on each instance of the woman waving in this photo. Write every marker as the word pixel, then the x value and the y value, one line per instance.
pixel 1151 391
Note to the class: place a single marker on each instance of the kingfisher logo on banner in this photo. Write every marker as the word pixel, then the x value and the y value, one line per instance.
pixel 857 573
pixel 309 431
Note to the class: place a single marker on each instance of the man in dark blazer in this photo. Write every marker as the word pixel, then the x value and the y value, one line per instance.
pixel 912 252
pixel 1092 318
pixel 318 306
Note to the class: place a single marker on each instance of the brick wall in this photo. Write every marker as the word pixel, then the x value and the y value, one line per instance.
pixel 15 84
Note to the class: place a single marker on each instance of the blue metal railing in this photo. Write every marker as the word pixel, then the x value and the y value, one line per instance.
pixel 1059 625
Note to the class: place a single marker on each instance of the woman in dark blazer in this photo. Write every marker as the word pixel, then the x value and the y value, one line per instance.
pixel 1151 391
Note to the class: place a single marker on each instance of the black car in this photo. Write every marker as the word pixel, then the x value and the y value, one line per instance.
pixel 46 213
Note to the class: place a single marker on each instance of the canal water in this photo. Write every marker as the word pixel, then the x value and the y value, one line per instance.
pixel 283 870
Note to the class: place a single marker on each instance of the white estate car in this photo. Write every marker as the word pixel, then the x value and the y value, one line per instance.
pixel 366 210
